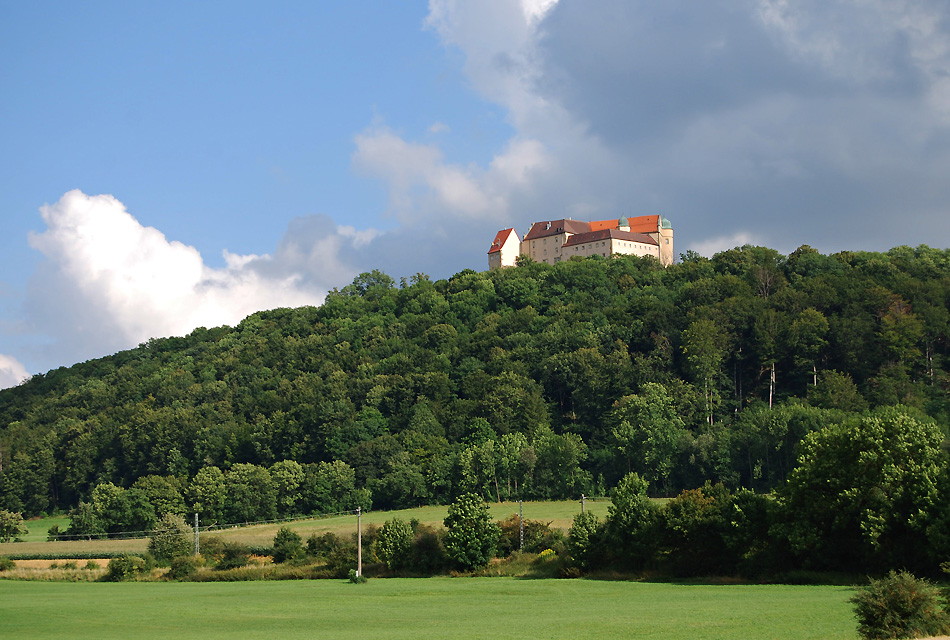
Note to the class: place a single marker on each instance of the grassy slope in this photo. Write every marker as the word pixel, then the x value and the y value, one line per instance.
pixel 559 514
pixel 414 608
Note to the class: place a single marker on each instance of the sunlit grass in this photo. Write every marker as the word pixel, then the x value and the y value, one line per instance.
pixel 430 607
pixel 558 513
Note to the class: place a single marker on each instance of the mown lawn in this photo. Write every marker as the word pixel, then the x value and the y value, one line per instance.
pixel 419 608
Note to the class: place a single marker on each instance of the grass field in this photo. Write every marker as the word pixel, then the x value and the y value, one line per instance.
pixel 559 514
pixel 419 608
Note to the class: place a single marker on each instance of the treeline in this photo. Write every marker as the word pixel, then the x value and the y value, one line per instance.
pixel 533 382
pixel 871 494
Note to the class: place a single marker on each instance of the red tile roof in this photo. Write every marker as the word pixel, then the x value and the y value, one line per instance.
pixel 500 238
pixel 604 234
pixel 547 228
pixel 597 225
pixel 644 224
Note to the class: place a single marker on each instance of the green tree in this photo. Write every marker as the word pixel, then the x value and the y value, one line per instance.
pixel 394 544
pixel 631 519
pixel 704 348
pixel 864 491
pixel 586 540
pixel 11 525
pixel 288 545
pixel 162 492
pixel 251 494
pixel 471 537
pixel 648 432
pixel 207 494
pixel 836 390
pixel 287 475
pixel 171 537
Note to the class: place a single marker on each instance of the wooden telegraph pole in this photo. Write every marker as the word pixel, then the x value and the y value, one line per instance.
pixel 359 542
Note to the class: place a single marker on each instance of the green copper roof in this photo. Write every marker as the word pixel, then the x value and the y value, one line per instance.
pixel 623 222
pixel 665 224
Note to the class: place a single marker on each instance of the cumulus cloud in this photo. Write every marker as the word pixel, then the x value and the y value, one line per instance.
pixel 815 122
pixel 711 246
pixel 108 282
pixel 12 372
pixel 423 186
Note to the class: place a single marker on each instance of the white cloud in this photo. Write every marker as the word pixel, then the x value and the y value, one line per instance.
pixel 109 282
pixel 423 186
pixel 12 372
pixel 816 122
pixel 712 246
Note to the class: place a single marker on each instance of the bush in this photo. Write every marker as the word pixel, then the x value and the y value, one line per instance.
pixel 91 565
pixel 428 552
pixel 899 606
pixel 233 555
pixel 6 564
pixel 471 537
pixel 323 546
pixel 11 525
pixel 53 533
pixel 342 560
pixel 171 537
pixel 183 567
pixel 125 567
pixel 537 535
pixel 356 578
pixel 394 544
pixel 586 541
pixel 288 545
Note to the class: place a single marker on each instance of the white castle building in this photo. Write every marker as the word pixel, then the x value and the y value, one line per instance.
pixel 551 241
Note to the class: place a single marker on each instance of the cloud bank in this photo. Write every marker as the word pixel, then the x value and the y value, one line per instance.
pixel 12 372
pixel 109 283
pixel 823 123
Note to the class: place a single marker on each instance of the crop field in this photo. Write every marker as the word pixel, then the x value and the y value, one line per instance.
pixel 432 607
pixel 559 514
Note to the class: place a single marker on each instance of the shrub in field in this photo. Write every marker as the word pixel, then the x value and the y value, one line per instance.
pixel 356 578
pixel 631 521
pixel 183 567
pixel 125 567
pixel 341 560
pixel 53 533
pixel 586 541
pixel 428 551
pixel 323 546
pixel 394 544
pixel 11 525
pixel 233 555
pixel 288 545
pixel 537 535
pixel 899 606
pixel 171 537
pixel 692 527
pixel 471 537
pixel 91 565
pixel 6 564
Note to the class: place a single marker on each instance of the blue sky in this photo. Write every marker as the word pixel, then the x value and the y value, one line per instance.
pixel 182 164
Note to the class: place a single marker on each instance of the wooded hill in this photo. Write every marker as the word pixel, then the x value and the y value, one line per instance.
pixel 534 382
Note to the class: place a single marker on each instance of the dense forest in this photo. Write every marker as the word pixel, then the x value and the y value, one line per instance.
pixel 531 382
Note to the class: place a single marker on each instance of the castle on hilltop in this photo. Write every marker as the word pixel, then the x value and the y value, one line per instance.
pixel 551 241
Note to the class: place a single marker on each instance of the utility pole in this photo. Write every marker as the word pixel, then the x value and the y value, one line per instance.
pixel 359 541
pixel 521 524
pixel 582 503
pixel 196 534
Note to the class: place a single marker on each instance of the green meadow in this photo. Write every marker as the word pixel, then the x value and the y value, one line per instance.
pixel 419 608
pixel 558 513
